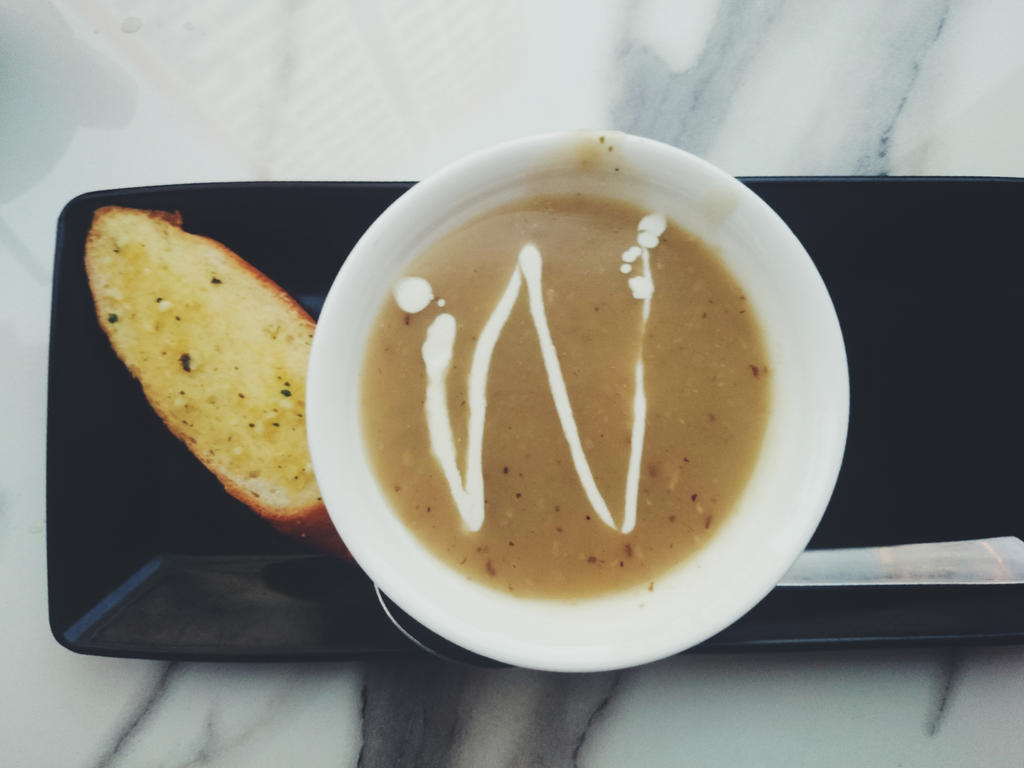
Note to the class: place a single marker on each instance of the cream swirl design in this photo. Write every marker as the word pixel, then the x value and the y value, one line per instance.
pixel 649 230
pixel 414 294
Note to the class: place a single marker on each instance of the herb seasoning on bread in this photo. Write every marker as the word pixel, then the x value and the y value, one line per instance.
pixel 220 351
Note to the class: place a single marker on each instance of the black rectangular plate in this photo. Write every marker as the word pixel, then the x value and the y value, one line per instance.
pixel 149 557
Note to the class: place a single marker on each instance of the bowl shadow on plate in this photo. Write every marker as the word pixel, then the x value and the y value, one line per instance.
pixel 429 641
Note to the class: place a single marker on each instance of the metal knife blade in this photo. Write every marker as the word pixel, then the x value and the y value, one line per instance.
pixel 977 561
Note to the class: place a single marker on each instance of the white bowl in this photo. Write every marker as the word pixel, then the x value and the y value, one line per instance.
pixel 792 480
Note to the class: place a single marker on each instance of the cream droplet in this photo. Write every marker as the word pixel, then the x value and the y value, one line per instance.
pixel 647 240
pixel 413 294
pixel 641 286
pixel 654 223
pixel 441 302
pixel 631 254
pixel 626 269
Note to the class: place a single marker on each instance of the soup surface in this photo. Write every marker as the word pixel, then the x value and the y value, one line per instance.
pixel 565 396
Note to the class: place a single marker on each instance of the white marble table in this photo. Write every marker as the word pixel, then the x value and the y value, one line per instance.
pixel 98 94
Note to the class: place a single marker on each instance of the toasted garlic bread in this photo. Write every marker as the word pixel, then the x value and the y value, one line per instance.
pixel 220 351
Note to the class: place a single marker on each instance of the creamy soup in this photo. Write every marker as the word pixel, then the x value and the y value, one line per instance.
pixel 565 396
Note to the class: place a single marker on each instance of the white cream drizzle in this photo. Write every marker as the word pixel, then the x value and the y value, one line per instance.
pixel 636 443
pixel 478 371
pixel 530 264
pixel 649 230
pixel 437 354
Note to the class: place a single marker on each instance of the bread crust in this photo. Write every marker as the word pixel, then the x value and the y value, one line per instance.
pixel 308 523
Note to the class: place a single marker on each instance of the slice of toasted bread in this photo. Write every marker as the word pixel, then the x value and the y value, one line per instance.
pixel 220 351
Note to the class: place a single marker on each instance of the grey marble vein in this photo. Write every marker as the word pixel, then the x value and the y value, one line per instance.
pixel 428 713
pixel 241 714
pixel 142 713
pixel 687 108
pixel 950 678
pixel 205 751
pixel 411 713
pixel 910 41
pixel 849 128
pixel 595 717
